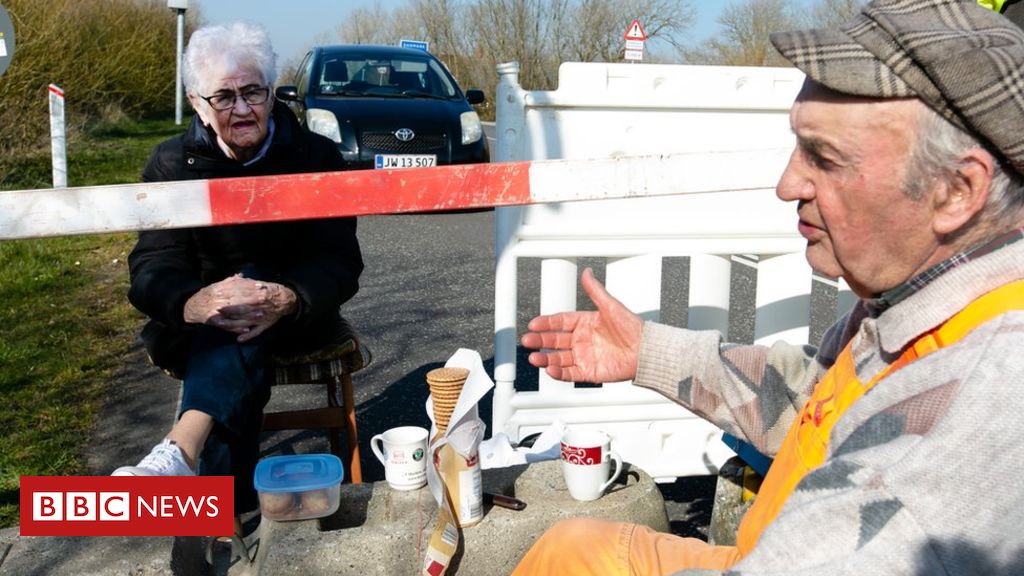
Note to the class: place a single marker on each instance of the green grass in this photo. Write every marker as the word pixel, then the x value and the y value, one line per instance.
pixel 108 153
pixel 65 324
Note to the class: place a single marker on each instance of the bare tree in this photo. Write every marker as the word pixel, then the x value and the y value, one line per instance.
pixel 744 38
pixel 666 20
pixel 833 13
pixel 594 39
pixel 521 31
pixel 598 25
pixel 404 22
pixel 365 25
pixel 444 24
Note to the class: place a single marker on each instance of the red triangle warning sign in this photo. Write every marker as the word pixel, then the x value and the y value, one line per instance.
pixel 635 31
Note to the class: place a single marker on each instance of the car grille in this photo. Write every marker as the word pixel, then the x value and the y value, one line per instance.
pixel 421 144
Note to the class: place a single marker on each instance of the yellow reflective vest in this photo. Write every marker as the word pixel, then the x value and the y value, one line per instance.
pixel 994 5
pixel 806 443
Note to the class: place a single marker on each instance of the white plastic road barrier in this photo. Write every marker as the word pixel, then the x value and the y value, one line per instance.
pixel 98 209
pixel 607 111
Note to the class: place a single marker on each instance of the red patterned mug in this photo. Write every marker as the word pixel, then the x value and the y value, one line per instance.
pixel 586 463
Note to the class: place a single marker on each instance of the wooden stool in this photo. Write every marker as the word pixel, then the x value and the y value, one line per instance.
pixel 332 366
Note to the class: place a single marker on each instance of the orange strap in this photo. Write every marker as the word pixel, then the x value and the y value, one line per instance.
pixel 806 443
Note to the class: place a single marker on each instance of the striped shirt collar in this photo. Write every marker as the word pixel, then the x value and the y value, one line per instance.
pixel 896 295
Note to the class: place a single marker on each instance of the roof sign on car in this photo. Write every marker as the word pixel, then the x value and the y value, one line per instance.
pixel 414 44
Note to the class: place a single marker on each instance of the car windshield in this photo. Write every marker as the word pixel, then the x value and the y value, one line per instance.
pixel 396 77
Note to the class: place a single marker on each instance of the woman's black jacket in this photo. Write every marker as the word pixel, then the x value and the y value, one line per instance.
pixel 319 259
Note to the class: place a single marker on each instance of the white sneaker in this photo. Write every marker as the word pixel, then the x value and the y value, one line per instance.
pixel 165 459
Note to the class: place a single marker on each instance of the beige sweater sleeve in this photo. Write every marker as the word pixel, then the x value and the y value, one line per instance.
pixel 751 392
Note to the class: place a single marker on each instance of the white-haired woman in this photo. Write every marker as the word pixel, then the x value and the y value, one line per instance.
pixel 220 298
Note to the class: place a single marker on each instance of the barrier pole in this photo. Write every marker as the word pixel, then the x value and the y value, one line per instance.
pixel 246 200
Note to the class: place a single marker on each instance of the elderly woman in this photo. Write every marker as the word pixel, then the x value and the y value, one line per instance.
pixel 220 299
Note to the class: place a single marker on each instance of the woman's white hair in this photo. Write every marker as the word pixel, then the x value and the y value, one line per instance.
pixel 230 46
pixel 936 154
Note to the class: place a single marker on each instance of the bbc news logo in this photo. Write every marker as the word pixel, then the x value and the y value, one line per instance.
pixel 127 506
pixel 106 506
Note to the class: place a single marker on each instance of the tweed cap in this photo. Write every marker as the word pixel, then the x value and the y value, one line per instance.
pixel 964 61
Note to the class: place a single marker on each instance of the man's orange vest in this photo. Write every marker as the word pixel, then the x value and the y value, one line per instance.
pixel 806 443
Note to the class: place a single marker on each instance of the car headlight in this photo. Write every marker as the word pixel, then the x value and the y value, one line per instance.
pixel 471 128
pixel 324 122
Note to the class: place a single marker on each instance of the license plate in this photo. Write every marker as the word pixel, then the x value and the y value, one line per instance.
pixel 389 161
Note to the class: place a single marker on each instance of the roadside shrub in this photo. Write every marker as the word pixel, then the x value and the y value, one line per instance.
pixel 111 57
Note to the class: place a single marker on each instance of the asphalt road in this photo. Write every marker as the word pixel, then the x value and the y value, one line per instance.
pixel 427 290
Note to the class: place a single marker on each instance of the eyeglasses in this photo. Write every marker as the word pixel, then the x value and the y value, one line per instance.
pixel 226 99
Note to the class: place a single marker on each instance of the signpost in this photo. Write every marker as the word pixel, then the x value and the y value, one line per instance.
pixel 179 6
pixel 6 40
pixel 414 44
pixel 635 37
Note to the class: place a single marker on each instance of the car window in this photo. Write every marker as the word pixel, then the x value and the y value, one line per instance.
pixel 365 75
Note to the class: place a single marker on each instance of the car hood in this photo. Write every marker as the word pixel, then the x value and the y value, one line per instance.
pixel 397 112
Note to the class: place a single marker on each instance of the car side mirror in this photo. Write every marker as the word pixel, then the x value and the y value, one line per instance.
pixel 475 96
pixel 287 93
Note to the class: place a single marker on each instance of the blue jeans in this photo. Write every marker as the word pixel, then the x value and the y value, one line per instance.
pixel 229 381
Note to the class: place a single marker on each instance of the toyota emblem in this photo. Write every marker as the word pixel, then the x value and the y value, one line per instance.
pixel 404 134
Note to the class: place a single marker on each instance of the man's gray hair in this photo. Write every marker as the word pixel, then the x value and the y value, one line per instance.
pixel 235 45
pixel 936 153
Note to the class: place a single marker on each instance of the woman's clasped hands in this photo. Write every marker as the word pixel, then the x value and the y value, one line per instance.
pixel 241 305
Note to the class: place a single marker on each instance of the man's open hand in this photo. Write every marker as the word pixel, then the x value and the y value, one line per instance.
pixel 598 347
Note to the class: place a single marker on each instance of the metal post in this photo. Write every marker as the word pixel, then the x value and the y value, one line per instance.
pixel 177 82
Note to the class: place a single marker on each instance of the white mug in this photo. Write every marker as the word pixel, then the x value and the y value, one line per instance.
pixel 404 456
pixel 586 462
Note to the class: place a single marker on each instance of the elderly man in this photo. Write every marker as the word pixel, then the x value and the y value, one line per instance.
pixel 895 442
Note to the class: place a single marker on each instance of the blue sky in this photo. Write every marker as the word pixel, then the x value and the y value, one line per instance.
pixel 293 24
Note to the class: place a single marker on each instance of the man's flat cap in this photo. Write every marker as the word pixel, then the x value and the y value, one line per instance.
pixel 964 61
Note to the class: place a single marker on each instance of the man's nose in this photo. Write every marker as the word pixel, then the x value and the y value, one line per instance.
pixel 794 184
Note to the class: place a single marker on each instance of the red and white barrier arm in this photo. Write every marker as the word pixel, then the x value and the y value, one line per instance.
pixel 194 203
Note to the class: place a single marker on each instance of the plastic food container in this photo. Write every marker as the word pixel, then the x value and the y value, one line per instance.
pixel 298 487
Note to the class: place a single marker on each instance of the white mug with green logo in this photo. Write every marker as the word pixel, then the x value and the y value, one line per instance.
pixel 403 452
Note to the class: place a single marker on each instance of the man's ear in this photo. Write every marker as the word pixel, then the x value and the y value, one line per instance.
pixel 965 192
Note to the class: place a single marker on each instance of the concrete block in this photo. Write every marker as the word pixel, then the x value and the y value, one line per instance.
pixel 379 531
pixel 730 505
pixel 376 531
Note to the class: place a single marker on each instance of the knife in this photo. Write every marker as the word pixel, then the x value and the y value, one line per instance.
pixel 503 501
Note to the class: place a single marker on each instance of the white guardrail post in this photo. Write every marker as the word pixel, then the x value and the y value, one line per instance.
pixel 58 140
pixel 508 128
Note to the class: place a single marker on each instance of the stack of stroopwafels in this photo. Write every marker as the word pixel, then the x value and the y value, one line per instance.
pixel 445 388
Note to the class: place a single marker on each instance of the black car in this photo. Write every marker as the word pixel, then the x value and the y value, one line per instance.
pixel 387 107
